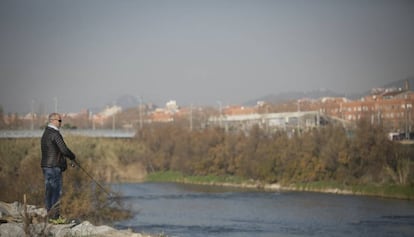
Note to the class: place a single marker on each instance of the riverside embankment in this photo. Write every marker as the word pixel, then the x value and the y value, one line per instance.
pixel 396 192
pixel 405 192
pixel 19 220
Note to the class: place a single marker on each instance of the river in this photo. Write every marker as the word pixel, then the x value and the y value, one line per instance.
pixel 193 210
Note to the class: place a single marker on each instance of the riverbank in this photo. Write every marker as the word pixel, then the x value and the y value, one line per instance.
pixel 17 219
pixel 383 191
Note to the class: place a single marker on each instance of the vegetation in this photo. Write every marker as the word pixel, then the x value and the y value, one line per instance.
pixel 324 158
pixel 103 159
pixel 324 155
pixel 174 176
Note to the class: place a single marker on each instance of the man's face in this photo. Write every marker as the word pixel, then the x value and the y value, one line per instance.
pixel 57 121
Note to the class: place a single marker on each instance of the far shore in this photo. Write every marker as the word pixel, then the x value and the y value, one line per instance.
pixel 382 191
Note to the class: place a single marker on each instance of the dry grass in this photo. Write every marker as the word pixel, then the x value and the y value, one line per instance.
pixel 106 160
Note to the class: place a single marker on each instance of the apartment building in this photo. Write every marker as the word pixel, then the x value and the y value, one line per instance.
pixel 391 107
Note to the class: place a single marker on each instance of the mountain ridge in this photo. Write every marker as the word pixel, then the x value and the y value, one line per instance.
pixel 128 101
pixel 320 93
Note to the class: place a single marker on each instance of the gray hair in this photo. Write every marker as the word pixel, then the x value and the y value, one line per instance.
pixel 53 116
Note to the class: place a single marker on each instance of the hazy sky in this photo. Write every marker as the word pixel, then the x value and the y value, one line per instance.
pixel 87 53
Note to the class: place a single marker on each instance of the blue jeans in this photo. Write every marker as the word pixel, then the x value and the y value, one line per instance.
pixel 53 189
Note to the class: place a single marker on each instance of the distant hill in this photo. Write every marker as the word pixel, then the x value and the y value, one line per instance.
pixel 285 96
pixel 401 83
pixel 396 84
pixel 315 94
pixel 124 101
pixel 129 101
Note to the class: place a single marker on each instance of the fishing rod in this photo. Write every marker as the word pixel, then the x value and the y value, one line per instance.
pixel 75 162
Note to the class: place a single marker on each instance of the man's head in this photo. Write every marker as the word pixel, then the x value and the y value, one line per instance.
pixel 55 119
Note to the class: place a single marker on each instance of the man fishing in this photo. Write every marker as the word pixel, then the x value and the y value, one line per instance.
pixel 54 153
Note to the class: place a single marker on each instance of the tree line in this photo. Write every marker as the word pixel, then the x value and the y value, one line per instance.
pixel 363 155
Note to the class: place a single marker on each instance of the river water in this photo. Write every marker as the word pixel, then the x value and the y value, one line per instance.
pixel 193 210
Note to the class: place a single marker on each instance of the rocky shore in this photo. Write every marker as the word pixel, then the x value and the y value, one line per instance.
pixel 19 220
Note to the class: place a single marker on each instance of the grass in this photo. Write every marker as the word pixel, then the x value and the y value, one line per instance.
pixel 394 191
pixel 386 191
pixel 172 176
pixel 167 176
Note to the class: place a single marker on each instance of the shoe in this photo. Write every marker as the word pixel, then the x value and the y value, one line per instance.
pixel 58 221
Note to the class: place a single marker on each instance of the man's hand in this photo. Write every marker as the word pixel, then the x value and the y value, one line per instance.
pixel 74 163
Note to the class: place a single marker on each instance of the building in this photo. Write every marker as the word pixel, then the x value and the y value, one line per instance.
pixel 393 108
pixel 288 121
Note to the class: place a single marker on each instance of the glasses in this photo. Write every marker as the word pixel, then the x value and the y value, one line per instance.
pixel 59 120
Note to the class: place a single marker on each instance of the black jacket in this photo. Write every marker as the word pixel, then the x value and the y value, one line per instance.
pixel 54 148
